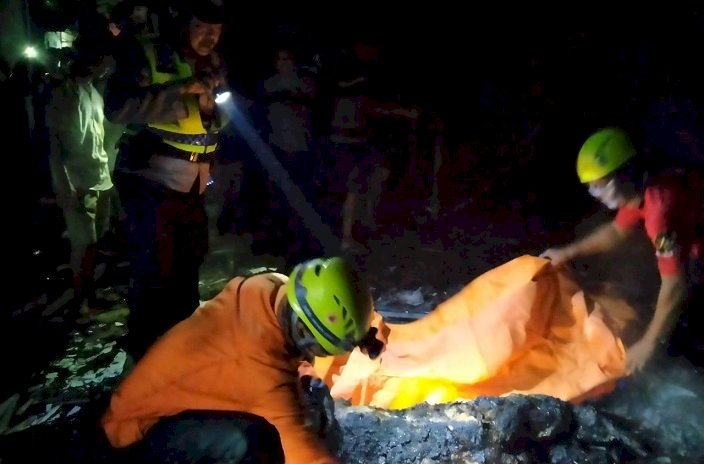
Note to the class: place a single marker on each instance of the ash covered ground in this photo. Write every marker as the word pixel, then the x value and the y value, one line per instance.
pixel 657 416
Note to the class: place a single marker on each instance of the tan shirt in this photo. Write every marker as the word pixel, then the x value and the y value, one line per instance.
pixel 74 116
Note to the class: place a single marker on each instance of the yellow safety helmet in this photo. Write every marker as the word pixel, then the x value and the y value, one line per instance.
pixel 329 297
pixel 603 153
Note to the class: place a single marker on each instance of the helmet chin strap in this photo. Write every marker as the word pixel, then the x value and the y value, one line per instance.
pixel 307 343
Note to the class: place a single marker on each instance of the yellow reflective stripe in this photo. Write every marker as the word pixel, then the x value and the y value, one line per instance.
pixel 192 123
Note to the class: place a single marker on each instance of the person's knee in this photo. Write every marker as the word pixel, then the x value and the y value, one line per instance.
pixel 254 441
pixel 263 440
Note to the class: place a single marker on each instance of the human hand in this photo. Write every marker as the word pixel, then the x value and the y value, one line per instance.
pixel 638 355
pixel 210 81
pixel 372 346
pixel 194 87
pixel 206 102
pixel 558 256
pixel 318 405
pixel 203 83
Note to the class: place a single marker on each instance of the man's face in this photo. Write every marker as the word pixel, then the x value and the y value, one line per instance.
pixel 139 14
pixel 305 341
pixel 204 36
pixel 284 62
pixel 607 191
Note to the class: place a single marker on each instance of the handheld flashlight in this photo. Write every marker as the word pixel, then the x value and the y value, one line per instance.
pixel 30 52
pixel 221 95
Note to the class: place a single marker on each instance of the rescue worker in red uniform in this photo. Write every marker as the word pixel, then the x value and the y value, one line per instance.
pixel 669 207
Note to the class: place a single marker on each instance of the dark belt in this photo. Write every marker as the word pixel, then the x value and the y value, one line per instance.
pixel 200 140
pixel 190 156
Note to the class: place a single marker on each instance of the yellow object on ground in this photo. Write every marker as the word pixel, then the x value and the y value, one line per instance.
pixel 520 328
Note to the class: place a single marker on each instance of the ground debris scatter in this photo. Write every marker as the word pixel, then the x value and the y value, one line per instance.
pixel 513 429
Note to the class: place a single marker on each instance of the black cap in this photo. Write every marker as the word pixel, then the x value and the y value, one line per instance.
pixel 208 11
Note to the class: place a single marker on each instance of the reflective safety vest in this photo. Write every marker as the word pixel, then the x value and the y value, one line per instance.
pixel 186 134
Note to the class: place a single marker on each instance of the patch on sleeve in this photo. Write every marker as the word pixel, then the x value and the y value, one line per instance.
pixel 666 244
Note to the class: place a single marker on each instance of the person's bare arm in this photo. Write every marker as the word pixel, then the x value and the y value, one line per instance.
pixel 673 290
pixel 603 239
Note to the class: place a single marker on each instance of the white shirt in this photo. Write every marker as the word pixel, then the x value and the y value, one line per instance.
pixel 74 117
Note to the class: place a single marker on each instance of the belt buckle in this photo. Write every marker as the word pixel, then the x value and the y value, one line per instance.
pixel 193 157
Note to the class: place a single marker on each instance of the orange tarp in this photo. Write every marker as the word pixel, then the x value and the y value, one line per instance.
pixel 519 328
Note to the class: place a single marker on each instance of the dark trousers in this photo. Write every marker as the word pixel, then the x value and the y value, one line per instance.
pixel 210 437
pixel 167 239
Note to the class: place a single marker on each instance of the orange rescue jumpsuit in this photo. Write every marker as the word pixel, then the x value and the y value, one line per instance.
pixel 230 355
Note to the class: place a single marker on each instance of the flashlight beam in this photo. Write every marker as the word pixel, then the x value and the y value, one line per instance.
pixel 278 173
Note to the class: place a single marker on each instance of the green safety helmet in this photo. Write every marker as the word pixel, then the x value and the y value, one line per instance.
pixel 603 153
pixel 328 296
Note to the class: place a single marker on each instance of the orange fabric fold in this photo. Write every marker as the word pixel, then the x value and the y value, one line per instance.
pixel 519 328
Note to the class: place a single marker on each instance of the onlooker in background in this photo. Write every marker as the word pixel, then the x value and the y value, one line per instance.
pixel 287 100
pixel 165 91
pixel 79 164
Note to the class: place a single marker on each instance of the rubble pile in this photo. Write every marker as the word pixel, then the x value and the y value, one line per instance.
pixel 511 430
pixel 667 403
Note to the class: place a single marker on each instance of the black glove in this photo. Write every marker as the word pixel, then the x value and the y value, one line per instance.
pixel 318 405
pixel 370 345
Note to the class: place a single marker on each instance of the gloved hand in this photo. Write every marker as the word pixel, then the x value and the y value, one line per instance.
pixel 558 256
pixel 372 346
pixel 318 405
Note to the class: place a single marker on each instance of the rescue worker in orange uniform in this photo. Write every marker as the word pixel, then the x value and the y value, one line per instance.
pixel 213 386
pixel 668 205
